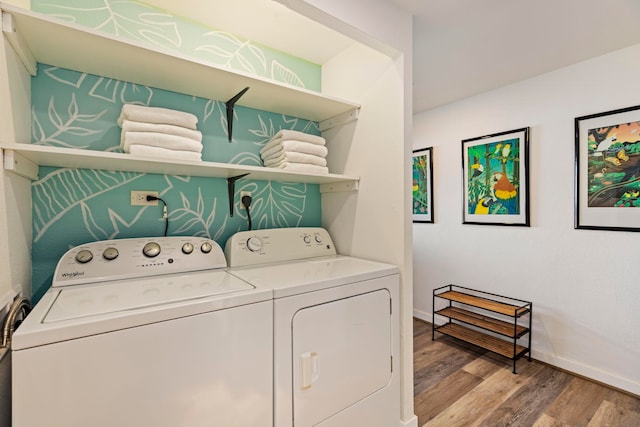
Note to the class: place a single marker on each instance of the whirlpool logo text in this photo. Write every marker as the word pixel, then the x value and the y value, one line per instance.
pixel 73 274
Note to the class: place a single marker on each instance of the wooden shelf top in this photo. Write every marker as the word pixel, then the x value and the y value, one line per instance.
pixel 484 303
pixel 496 345
pixel 485 322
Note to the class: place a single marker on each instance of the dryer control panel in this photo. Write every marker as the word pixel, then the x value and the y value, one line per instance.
pixel 137 257
pixel 277 244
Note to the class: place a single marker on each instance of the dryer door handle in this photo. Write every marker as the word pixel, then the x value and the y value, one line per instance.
pixel 310 369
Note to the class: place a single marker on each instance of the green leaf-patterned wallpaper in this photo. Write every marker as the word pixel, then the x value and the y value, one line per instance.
pixel 138 21
pixel 79 110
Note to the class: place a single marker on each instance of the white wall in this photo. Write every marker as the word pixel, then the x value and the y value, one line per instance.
pixel 379 214
pixel 583 283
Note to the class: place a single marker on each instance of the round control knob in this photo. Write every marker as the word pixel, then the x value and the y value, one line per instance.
pixel 151 249
pixel 206 247
pixel 84 256
pixel 318 238
pixel 254 244
pixel 110 254
pixel 307 239
pixel 187 248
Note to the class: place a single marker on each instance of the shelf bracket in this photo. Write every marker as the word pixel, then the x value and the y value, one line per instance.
pixel 231 187
pixel 340 119
pixel 335 187
pixel 230 105
pixel 20 165
pixel 19 45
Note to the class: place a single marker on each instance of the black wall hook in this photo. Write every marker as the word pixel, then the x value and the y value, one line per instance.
pixel 230 104
pixel 231 187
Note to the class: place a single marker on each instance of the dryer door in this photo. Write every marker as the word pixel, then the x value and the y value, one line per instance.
pixel 341 354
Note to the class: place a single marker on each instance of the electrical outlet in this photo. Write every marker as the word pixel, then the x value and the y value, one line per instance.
pixel 139 198
pixel 242 194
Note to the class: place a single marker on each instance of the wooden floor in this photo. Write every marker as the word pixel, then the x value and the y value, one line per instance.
pixel 457 384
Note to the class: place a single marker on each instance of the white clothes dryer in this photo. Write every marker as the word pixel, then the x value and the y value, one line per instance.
pixel 336 344
pixel 145 332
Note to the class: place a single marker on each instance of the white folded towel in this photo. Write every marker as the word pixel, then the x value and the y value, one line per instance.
pixel 132 126
pixel 293 157
pixel 139 113
pixel 299 136
pixel 161 140
pixel 303 168
pixel 275 147
pixel 163 153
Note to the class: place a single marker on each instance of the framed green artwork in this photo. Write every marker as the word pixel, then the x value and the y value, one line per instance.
pixel 495 177
pixel 607 170
pixel 422 199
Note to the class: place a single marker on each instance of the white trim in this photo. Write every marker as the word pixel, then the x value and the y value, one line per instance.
pixel 587 371
pixel 412 422
pixel 422 315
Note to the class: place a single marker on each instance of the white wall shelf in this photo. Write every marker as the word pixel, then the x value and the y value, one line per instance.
pixel 25 159
pixel 39 38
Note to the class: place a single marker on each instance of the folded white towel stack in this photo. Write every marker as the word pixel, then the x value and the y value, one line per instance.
pixel 296 151
pixel 159 132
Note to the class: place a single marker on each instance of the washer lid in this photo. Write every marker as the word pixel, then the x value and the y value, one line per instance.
pixel 109 297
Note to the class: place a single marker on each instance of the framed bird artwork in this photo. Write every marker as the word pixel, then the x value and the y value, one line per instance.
pixel 607 170
pixel 422 200
pixel 495 177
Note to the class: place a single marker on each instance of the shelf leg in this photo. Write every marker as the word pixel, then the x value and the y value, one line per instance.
pixel 530 328
pixel 433 317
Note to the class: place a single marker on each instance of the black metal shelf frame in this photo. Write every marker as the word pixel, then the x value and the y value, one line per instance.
pixel 520 309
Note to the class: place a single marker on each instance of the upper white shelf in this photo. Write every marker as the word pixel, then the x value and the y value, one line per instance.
pixel 47 40
pixel 24 159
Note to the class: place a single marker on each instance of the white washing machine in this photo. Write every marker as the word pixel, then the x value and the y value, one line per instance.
pixel 145 332
pixel 336 344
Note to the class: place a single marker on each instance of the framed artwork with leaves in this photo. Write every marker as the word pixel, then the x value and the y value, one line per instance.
pixel 422 199
pixel 607 170
pixel 495 179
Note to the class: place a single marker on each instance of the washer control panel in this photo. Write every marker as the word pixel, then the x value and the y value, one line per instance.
pixel 277 244
pixel 128 258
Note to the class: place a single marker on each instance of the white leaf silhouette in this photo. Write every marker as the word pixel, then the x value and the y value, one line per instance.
pixel 62 190
pixel 228 50
pixel 91 225
pixel 63 126
pixel 64 76
pixel 283 74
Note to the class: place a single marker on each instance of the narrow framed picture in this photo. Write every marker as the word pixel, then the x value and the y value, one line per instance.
pixel 607 170
pixel 495 179
pixel 423 185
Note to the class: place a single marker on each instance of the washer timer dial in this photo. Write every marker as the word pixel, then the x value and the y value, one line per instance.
pixel 84 256
pixel 110 253
pixel 254 244
pixel 151 250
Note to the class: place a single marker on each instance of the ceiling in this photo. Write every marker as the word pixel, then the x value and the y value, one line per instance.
pixel 465 47
pixel 461 47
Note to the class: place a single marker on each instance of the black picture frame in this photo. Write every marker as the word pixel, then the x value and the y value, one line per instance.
pixel 422 191
pixel 495 179
pixel 607 170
